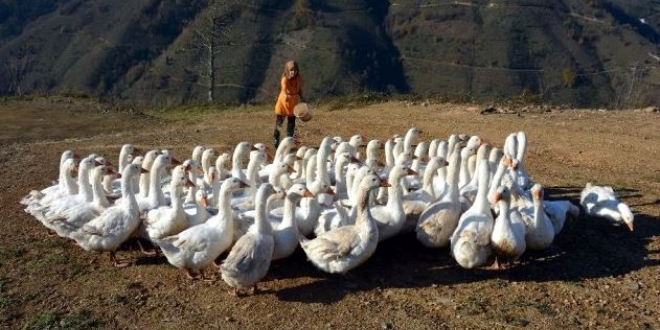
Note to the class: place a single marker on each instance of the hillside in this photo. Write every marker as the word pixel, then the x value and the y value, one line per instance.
pixel 583 53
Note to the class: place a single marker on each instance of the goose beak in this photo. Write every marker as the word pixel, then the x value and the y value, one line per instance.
pixel 137 150
pixel 204 201
pixel 189 183
pixel 308 193
pixel 143 170
pixel 244 185
pixel 630 226
pixel 175 161
pixel 329 191
pixel 411 172
pixel 290 169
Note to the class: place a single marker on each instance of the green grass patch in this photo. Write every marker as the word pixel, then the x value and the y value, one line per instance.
pixel 6 302
pixel 79 320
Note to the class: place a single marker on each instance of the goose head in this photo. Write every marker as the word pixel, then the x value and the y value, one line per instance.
pixel 197 153
pixel 627 215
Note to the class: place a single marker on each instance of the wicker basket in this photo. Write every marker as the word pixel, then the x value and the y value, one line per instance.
pixel 302 111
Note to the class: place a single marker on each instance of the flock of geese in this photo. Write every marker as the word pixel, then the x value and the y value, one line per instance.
pixel 336 201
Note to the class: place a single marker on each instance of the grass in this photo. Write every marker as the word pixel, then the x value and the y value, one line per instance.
pixel 195 111
pixel 82 319
pixel 4 300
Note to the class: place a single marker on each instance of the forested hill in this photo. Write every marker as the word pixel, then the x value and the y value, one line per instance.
pixel 577 52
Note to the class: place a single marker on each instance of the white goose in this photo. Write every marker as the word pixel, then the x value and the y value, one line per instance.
pixel 76 217
pixel 523 177
pixel 391 217
pixel 244 218
pixel 197 247
pixel 147 163
pixel 222 165
pixel 67 187
pixel 470 243
pixel 241 149
pixel 601 202
pixel 196 210
pixel 156 197
pixel 250 258
pixel 197 153
pixel 65 182
pixel 299 165
pixel 508 236
pixel 116 224
pixel 415 202
pixel 85 195
pixel 372 149
pixel 246 201
pixel 169 220
pixel 344 248
pixel 285 232
pixel 469 191
pixel 438 221
pixel 111 185
pixel 283 149
pixel 540 232
pixel 207 156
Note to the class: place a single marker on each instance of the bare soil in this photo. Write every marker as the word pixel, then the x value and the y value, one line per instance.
pixel 597 275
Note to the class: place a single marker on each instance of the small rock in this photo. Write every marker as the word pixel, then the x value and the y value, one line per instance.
pixel 634 286
pixel 386 325
pixel 489 110
pixel 446 301
pixel 229 319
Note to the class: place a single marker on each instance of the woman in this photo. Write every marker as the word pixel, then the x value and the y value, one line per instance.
pixel 290 95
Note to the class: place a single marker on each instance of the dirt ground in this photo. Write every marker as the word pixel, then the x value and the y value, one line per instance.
pixel 596 275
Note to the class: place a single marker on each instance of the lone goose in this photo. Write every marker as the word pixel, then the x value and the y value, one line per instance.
pixel 600 201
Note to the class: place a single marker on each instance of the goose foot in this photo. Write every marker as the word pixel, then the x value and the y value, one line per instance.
pixel 205 278
pixel 192 275
pixel 235 292
pixel 152 252
pixel 118 263
pixel 496 265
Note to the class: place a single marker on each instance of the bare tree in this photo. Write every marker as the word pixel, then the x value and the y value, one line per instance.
pixel 214 28
pixel 627 87
pixel 18 66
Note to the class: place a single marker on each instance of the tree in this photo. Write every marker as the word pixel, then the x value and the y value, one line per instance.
pixel 18 66
pixel 214 28
pixel 627 86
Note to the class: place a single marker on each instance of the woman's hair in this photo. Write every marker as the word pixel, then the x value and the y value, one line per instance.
pixel 288 66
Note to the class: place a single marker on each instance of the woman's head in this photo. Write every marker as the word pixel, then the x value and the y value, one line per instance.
pixel 290 69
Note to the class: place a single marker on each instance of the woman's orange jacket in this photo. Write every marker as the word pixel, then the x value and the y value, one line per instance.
pixel 293 88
